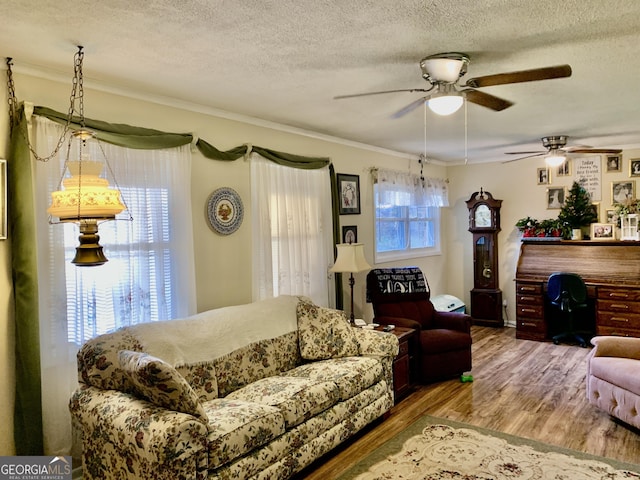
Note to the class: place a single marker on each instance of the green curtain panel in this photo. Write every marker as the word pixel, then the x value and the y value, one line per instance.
pixel 28 411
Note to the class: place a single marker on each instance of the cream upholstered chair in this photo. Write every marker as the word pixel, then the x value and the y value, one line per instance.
pixel 613 377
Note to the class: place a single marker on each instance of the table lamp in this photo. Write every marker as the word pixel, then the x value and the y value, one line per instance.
pixel 350 259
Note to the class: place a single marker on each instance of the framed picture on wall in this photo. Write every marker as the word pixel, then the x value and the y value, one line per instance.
pixel 634 167
pixel 564 169
pixel 610 214
pixel 543 176
pixel 555 197
pixel 350 234
pixel 623 191
pixel 349 192
pixel 614 163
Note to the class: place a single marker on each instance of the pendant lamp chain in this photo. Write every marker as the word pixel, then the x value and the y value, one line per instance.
pixel 77 94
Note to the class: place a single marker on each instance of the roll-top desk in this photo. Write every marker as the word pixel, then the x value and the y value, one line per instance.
pixel 611 271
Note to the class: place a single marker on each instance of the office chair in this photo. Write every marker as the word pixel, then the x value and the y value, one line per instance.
pixel 568 294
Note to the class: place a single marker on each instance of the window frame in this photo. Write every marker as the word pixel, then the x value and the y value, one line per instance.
pixel 433 215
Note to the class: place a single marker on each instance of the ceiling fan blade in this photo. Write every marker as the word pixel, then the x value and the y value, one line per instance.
pixel 546 73
pixel 525 153
pixel 486 100
pixel 409 108
pixel 411 90
pixel 522 158
pixel 595 150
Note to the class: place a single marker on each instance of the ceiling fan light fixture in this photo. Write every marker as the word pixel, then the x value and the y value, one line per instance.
pixel 445 104
pixel 555 159
pixel 445 67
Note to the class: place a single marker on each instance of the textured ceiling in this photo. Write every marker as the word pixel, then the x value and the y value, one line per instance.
pixel 283 61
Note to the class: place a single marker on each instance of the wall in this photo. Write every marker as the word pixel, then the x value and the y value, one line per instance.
pixel 516 184
pixel 223 263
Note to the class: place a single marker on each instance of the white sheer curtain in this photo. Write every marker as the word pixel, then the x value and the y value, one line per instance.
pixel 292 231
pixel 411 189
pixel 149 276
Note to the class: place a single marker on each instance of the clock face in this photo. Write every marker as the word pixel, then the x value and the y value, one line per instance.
pixel 483 216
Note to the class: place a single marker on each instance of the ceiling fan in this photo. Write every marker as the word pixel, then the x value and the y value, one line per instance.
pixel 443 70
pixel 557 153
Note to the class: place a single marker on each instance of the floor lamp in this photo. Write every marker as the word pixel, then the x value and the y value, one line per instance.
pixel 350 259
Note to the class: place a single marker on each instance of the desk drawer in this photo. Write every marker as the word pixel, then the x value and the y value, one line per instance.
pixel 528 299
pixel 528 288
pixel 535 312
pixel 617 332
pixel 622 320
pixel 621 294
pixel 618 306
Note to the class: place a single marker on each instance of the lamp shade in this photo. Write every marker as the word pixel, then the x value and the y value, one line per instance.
pixel 350 258
pixel 85 195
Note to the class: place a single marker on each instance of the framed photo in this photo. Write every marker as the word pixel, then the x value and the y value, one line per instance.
pixel 596 208
pixel 564 170
pixel 349 192
pixel 3 199
pixel 555 197
pixel 610 214
pixel 634 167
pixel 350 234
pixel 543 176
pixel 614 163
pixel 602 231
pixel 623 191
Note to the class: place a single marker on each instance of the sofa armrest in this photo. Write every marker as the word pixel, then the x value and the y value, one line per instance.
pixel 610 346
pixel 377 343
pixel 398 322
pixel 140 438
pixel 452 321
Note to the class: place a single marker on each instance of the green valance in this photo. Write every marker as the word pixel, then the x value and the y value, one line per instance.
pixel 146 138
pixel 121 134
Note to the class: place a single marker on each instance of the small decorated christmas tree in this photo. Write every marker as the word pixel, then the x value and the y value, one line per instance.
pixel 578 211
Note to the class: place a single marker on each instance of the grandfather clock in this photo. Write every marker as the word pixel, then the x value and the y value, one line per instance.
pixel 484 224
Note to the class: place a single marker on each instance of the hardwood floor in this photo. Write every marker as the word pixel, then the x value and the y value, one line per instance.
pixel 530 389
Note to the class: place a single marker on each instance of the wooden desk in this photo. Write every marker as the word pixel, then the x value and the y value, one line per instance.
pixel 611 271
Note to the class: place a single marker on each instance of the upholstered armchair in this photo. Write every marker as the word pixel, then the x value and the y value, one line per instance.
pixel 613 377
pixel 401 297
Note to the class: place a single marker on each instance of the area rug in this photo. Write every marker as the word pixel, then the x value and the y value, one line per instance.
pixel 438 449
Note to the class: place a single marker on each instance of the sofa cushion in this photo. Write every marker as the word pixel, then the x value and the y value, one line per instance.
pixel 160 383
pixel 350 374
pixel 297 398
pixel 324 333
pixel 621 372
pixel 237 427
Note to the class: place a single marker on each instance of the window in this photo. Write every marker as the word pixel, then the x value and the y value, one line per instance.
pixel 407 223
pixel 292 231
pixel 149 275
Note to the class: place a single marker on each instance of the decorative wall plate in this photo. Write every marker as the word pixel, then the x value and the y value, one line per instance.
pixel 225 210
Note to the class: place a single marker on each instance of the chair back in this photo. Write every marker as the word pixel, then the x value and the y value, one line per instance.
pixel 400 292
pixel 566 289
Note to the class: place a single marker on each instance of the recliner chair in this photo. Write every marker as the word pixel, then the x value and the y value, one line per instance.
pixel 400 297
pixel 567 293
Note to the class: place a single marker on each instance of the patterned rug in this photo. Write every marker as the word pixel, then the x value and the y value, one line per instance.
pixel 436 449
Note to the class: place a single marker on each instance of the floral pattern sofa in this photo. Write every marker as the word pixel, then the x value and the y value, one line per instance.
pixel 255 391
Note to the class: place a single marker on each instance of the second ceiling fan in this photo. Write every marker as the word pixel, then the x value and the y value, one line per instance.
pixel 443 70
pixel 556 150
